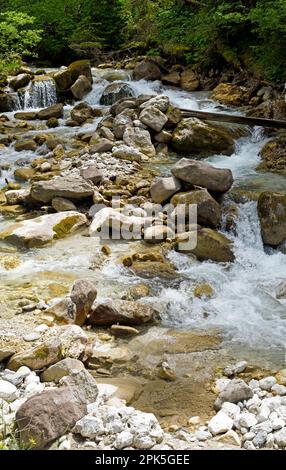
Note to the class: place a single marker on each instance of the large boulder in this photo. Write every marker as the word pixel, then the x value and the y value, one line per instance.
pixel 203 174
pixel 273 156
pixel 54 111
pixel 114 92
pixel 70 187
pixel 57 371
pixel 272 215
pixel 44 229
pixel 81 87
pixel 194 136
pixel 208 209
pixel 83 295
pixel 189 80
pixel 164 188
pixel 40 356
pixel 8 102
pixel 153 118
pixel 140 139
pixel 81 112
pixel 50 414
pixel 126 312
pixel 80 67
pixel 230 94
pixel 63 79
pixel 211 245
pixel 147 70
pixel 20 81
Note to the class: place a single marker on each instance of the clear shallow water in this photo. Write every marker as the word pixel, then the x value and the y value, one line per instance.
pixel 243 306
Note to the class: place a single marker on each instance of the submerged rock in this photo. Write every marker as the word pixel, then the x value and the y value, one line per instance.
pixel 272 215
pixel 126 312
pixel 197 137
pixel 114 92
pixel 42 230
pixel 203 174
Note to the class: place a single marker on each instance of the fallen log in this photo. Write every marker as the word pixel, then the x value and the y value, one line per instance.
pixel 235 119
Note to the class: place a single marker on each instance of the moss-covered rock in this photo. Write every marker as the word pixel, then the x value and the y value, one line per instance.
pixel 273 155
pixel 211 245
pixel 230 94
pixel 272 215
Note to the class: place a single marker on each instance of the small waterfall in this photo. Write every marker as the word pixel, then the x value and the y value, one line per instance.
pixel 40 94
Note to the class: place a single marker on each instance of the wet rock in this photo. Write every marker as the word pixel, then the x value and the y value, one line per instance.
pixel 27 144
pixel 147 70
pixel 62 368
pixel 122 330
pixel 272 215
pixel 280 291
pixel 41 356
pixel 189 80
pixel 60 204
pixel 208 210
pixel 52 122
pixel 26 115
pixel 81 112
pixel 54 111
pixel 114 92
pixel 154 269
pixel 120 223
pixel 20 81
pixel 70 187
pixel 123 312
pixel 115 75
pixel 140 139
pixel 203 290
pixel 49 415
pixel 273 156
pixel 8 102
pixel 153 118
pixel 211 245
pixel 24 174
pixel 44 229
pixel 230 94
pixel 83 295
pixel 80 67
pixel 81 87
pixel 203 174
pixel 235 391
pixel 197 137
pixel 164 188
pixel 63 79
pixel 172 78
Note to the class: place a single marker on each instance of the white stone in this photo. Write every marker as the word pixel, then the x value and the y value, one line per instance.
pixel 15 405
pixel 281 412
pixel 235 368
pixel 220 423
pixel 33 388
pixel 277 423
pixel 124 439
pixel 270 441
pixel 279 389
pixel 221 383
pixel 253 404
pixel 260 439
pixel 248 445
pixel 248 436
pixel 42 327
pixel 265 426
pixel 32 378
pixel 247 420
pixel 89 426
pixel 280 437
pixel 273 403
pixel 8 391
pixel 65 445
pixel 232 410
pixel 263 413
pixel 253 384
pixel 194 420
pixel 267 383
pixel 202 435
pixel 230 437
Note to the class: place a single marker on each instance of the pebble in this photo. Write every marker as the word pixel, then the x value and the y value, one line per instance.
pixel 270 441
pixel 278 389
pixel 231 409
pixel 33 388
pixel 280 437
pixel 8 391
pixel 220 423
pixel 194 420
pixel 202 435
pixel 247 420
pixel 277 423
pixel 33 336
pixel 267 383
pixel 221 383
pixel 235 369
pixel 29 307
pixel 41 328
pixel 248 445
pixel 123 439
pixel 230 437
pixel 263 414
pixel 260 439
pixel 65 445
pixel 248 436
pixel 254 384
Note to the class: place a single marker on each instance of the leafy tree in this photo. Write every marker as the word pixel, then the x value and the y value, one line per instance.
pixel 17 35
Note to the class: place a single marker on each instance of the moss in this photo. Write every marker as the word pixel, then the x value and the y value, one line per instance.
pixel 65 227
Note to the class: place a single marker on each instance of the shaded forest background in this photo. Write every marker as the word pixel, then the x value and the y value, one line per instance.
pixel 242 34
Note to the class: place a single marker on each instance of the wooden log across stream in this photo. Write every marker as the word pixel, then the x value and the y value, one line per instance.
pixel 246 120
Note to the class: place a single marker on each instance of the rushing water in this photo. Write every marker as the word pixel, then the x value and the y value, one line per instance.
pixel 243 306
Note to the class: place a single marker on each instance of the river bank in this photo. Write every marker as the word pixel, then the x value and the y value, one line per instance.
pixel 212 307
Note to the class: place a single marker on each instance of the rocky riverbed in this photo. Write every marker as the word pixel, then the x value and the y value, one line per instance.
pixel 127 321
